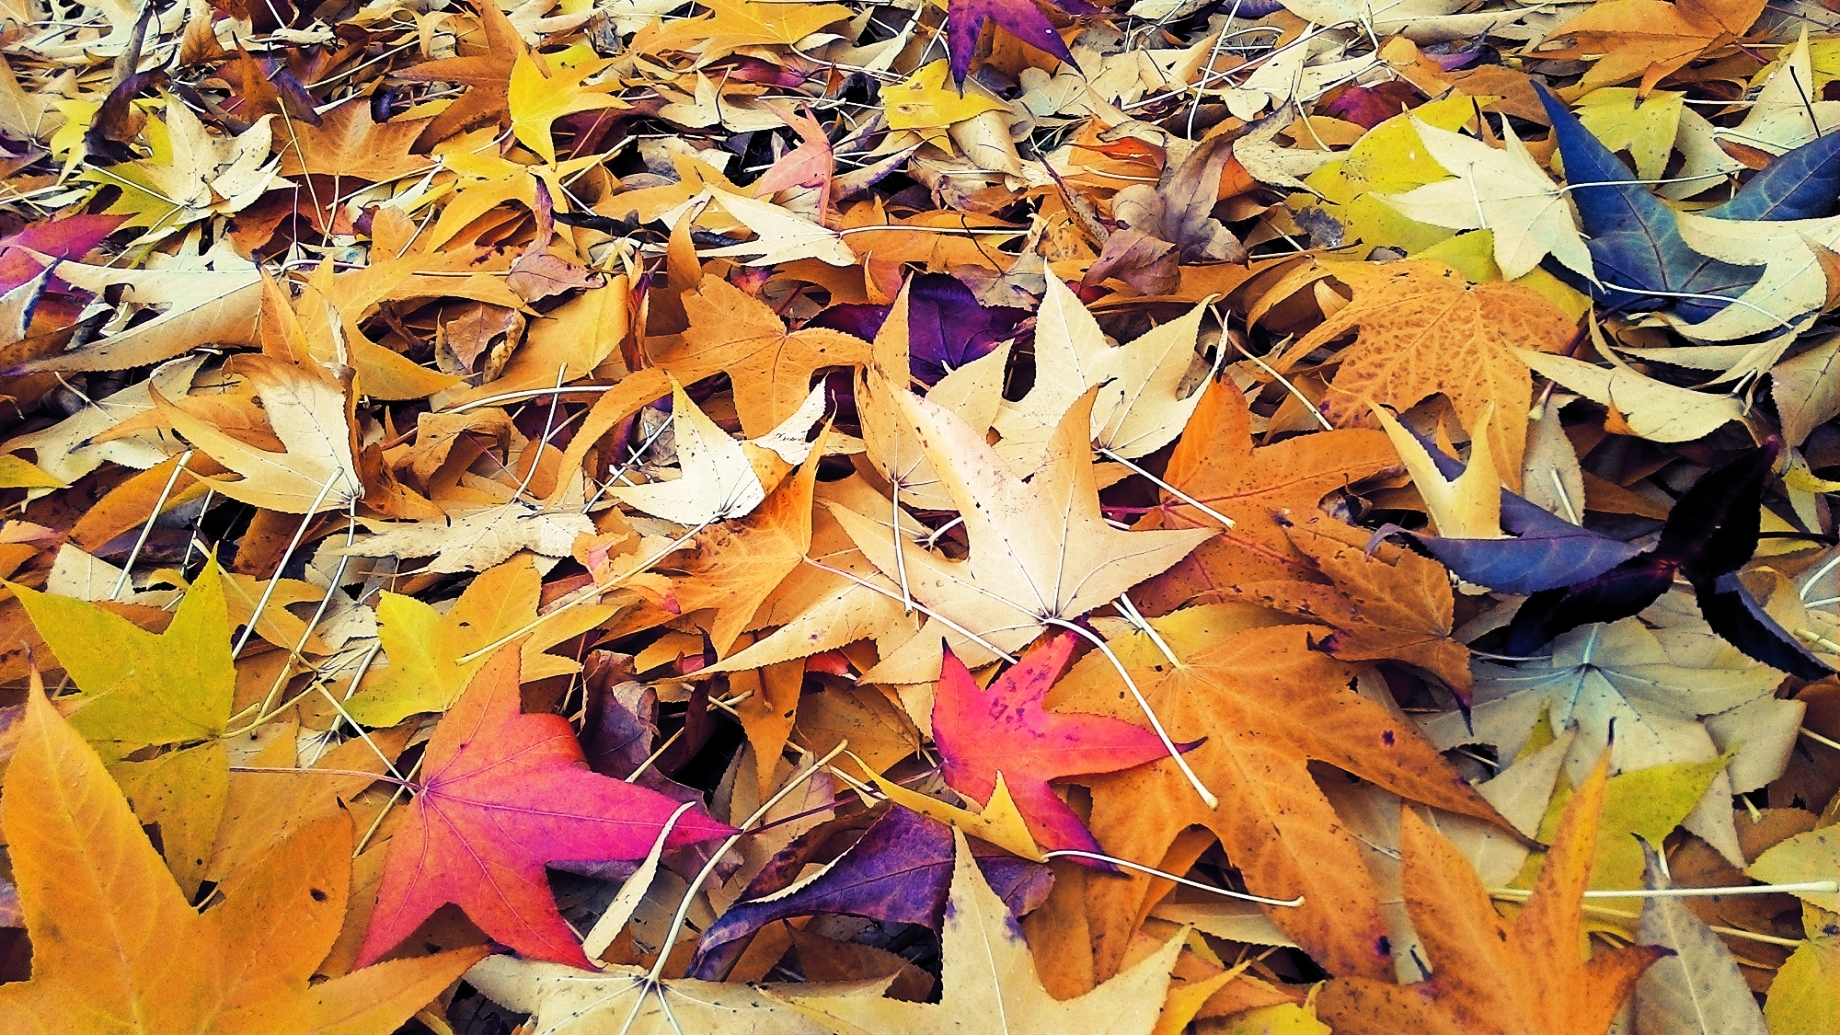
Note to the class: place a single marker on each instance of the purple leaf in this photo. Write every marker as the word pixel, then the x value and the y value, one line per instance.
pixel 946 327
pixel 898 872
pixel 70 238
pixel 1023 18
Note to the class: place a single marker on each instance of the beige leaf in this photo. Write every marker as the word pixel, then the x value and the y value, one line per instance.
pixel 1138 411
pixel 779 235
pixel 309 415
pixel 212 301
pixel 717 482
pixel 1040 550
pixel 1655 411
pixel 1467 508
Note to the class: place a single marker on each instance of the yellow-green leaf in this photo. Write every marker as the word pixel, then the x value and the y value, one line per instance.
pixel 140 688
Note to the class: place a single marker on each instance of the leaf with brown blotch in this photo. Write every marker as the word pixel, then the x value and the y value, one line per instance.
pixel 1263 489
pixel 1490 976
pixel 116 947
pixel 1264 702
pixel 1424 331
pixel 1389 604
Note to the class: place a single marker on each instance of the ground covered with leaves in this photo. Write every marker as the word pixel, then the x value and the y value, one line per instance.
pixel 638 516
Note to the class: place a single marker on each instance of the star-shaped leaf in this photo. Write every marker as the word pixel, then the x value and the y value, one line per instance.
pixel 1491 977
pixel 1004 730
pixel 1040 549
pixel 1262 489
pixel 734 333
pixel 1264 702
pixel 141 688
pixel 502 793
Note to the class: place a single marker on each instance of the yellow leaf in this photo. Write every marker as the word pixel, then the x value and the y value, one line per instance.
pixel 537 100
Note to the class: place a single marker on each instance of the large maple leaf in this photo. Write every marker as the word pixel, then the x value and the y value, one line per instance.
pixel 982 733
pixel 1491 977
pixel 1425 330
pixel 503 793
pixel 1649 39
pixel 1266 703
pixel 1040 550
pixel 1262 489
pixel 116 948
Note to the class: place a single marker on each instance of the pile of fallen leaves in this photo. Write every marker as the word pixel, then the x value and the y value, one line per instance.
pixel 643 516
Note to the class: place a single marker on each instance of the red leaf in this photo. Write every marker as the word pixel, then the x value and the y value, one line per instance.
pixel 1006 728
pixel 504 794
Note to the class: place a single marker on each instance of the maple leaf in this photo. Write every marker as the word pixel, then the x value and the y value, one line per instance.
pixel 771 366
pixel 424 646
pixel 536 98
pixel 192 175
pixel 487 78
pixel 308 412
pixel 347 142
pixel 117 948
pixel 733 24
pixel 1040 550
pixel 718 481
pixel 1617 675
pixel 973 392
pixel 1423 330
pixel 502 793
pixel 1004 729
pixel 1649 39
pixel 140 688
pixel 1504 191
pixel 1490 976
pixel 925 105
pixel 1263 490
pixel 1387 603
pixel 213 297
pixel 1264 703
pixel 988 973
pixel 565 1001
pixel 736 565
pixel 1138 409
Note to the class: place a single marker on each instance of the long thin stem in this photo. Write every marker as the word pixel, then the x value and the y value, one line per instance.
pixel 121 582
pixel 1156 725
pixel 1184 881
pixel 287 555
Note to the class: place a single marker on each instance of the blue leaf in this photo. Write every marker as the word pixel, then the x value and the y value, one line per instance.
pixel 1634 239
pixel 1801 184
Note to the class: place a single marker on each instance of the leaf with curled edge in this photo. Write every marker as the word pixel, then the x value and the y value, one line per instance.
pixel 502 793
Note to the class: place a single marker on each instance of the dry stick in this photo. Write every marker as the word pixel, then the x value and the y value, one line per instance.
pixel 287 555
pixel 653 980
pixel 1818 739
pixel 583 595
pixel 1818 887
pixel 147 529
pixel 1184 881
pixel 1156 725
pixel 1730 932
pixel 1225 521
pixel 300 647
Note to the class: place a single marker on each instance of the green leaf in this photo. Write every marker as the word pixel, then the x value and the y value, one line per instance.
pixel 140 688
